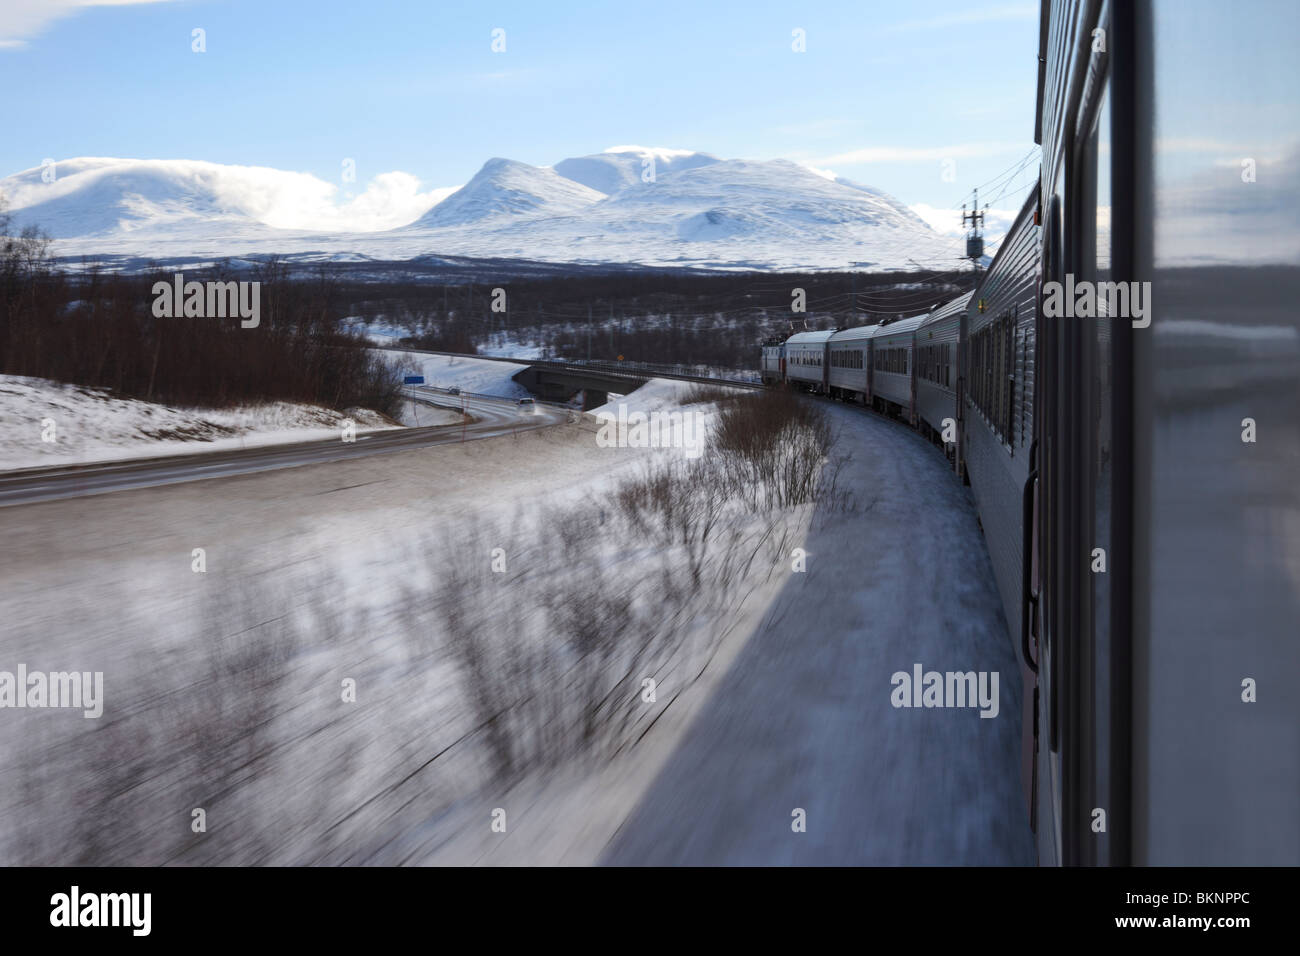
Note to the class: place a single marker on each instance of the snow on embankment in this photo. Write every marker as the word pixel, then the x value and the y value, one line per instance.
pixel 656 395
pixel 45 423
pixel 663 414
pixel 479 376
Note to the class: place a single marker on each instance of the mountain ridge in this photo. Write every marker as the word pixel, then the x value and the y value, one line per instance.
pixel 696 209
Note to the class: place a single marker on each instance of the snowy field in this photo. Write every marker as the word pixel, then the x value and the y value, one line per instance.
pixel 91 425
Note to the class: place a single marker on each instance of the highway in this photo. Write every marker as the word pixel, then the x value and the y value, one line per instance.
pixel 488 417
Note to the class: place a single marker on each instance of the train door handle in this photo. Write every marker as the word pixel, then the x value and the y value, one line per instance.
pixel 1027 597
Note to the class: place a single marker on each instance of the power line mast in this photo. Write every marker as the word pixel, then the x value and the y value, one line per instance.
pixel 975 239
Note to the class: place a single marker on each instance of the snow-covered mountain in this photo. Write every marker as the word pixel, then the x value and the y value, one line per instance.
pixel 621 166
pixel 696 210
pixel 504 190
pixel 93 197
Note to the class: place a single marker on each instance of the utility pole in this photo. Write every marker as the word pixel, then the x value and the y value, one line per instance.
pixel 975 239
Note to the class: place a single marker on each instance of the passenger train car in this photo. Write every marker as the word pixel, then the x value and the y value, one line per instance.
pixel 772 363
pixel 939 364
pixel 849 368
pixel 805 360
pixel 1122 391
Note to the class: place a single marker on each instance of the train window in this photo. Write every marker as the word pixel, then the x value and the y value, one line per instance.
pixel 1007 406
pixel 993 365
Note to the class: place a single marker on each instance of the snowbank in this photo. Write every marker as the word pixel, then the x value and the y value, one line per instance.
pixel 656 395
pixel 90 425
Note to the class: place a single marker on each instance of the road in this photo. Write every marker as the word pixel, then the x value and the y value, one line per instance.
pixel 488 417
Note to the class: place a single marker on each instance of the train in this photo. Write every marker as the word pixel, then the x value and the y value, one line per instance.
pixel 1121 390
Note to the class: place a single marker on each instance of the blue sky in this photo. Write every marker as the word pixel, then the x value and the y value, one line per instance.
pixel 883 94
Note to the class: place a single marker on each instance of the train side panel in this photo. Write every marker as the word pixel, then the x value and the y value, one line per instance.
pixel 892 362
pixel 938 351
pixel 998 399
pixel 805 359
pixel 849 355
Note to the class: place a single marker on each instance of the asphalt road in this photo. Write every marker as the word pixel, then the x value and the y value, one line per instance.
pixel 488 417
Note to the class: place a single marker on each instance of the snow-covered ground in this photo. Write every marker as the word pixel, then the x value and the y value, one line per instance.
pixel 805 719
pixel 380 332
pixel 91 425
pixel 500 345
pixel 467 374
pixel 227 689
pixel 656 395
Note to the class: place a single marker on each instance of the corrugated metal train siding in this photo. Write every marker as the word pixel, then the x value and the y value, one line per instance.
pixel 935 402
pixel 1012 284
pixel 854 379
pixel 998 469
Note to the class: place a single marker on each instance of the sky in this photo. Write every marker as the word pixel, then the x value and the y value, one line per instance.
pixel 925 100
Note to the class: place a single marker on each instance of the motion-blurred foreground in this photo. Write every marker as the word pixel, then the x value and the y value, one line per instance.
pixel 479 653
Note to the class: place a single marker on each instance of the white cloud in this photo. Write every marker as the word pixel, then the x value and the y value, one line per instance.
pixel 166 188
pixel 22 19
pixel 301 201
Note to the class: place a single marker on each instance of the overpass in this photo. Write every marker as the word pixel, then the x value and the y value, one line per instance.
pixel 560 381
pixel 557 382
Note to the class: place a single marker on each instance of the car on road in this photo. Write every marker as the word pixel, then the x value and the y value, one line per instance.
pixel 525 402
pixel 454 390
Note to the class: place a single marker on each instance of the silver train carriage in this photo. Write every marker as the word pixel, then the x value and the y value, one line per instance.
pixel 850 363
pixel 939 364
pixel 893 388
pixel 1164 514
pixel 805 359
pixel 998 400
pixel 1126 403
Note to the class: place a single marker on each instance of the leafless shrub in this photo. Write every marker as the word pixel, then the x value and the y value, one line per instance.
pixel 700 393
pixel 775 451
pixel 492 675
